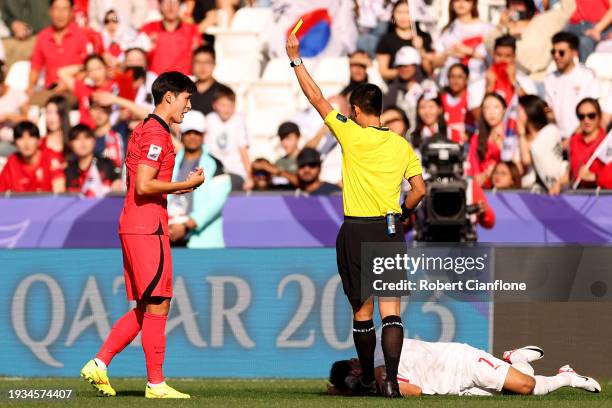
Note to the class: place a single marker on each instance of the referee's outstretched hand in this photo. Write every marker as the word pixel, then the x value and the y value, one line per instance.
pixel 293 47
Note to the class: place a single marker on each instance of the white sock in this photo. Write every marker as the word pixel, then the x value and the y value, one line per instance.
pixel 156 385
pixel 100 363
pixel 546 385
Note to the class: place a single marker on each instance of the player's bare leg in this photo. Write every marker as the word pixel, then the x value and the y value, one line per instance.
pixel 364 338
pixel 392 339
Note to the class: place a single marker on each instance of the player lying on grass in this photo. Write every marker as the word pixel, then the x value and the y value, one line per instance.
pixel 459 369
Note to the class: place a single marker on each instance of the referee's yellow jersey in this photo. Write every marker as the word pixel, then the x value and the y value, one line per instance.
pixel 374 162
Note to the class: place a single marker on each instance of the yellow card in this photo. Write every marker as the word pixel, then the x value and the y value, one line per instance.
pixel 297 26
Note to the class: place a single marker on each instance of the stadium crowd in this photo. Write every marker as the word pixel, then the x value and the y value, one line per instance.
pixel 511 87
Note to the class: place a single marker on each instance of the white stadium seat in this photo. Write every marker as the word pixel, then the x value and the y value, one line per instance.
pixel 269 103
pixel 601 63
pixel 278 69
pixel 18 75
pixel 333 69
pixel 232 70
pixel 230 44
pixel 252 19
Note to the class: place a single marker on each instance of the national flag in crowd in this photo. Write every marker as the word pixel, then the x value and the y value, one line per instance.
pixel 603 153
pixel 93 185
pixel 328 30
pixel 511 117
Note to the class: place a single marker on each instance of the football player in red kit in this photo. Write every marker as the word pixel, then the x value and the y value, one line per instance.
pixel 143 230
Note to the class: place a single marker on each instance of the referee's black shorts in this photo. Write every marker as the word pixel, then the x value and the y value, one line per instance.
pixel 353 232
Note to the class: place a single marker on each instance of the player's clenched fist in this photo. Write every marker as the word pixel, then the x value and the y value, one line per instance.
pixel 196 177
pixel 293 47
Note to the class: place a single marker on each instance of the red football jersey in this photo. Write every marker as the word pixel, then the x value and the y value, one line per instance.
pixel 150 144
pixel 20 177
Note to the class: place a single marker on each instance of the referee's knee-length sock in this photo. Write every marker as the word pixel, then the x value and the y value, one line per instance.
pixel 122 334
pixel 154 345
pixel 364 337
pixel 391 341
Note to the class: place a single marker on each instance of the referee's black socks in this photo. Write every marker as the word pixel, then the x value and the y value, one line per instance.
pixel 391 341
pixel 364 337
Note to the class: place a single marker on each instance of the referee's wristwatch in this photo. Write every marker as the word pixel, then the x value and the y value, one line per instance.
pixel 296 62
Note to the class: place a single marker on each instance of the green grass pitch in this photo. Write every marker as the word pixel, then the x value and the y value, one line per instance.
pixel 276 393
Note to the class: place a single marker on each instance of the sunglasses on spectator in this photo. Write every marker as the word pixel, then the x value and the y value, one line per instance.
pixel 590 115
pixel 112 19
pixel 560 52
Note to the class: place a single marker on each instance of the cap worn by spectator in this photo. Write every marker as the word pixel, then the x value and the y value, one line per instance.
pixel 407 56
pixel 308 157
pixel 287 128
pixel 193 121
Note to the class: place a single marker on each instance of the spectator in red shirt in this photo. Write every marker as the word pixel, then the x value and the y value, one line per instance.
pixel 96 79
pixel 88 173
pixel 32 169
pixel 61 44
pixel 591 22
pixel 57 120
pixel 457 101
pixel 171 41
pixel 584 142
pixel 486 145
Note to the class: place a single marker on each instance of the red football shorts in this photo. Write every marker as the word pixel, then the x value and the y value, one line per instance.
pixel 147 266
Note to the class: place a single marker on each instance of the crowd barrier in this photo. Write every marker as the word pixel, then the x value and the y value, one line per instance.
pixel 286 221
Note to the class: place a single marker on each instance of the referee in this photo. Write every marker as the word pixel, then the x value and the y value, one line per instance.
pixel 374 163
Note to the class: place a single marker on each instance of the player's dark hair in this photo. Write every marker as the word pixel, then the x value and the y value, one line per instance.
pixel 205 49
pixel 25 127
pixel 338 373
pixel 484 128
pixel 570 38
pixel 506 41
pixel 536 110
pixel 53 1
pixel 172 81
pixel 368 98
pixel 78 129
pixel 593 102
pixel 224 91
pixel 93 57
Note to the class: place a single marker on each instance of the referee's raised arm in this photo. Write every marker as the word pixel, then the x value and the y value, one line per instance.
pixel 309 87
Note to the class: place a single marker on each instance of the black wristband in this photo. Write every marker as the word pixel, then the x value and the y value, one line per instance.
pixel 405 212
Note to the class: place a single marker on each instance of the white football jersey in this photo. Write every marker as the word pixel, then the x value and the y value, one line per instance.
pixel 437 368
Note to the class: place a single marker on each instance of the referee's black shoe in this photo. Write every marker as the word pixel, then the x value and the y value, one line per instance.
pixel 390 389
pixel 367 390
